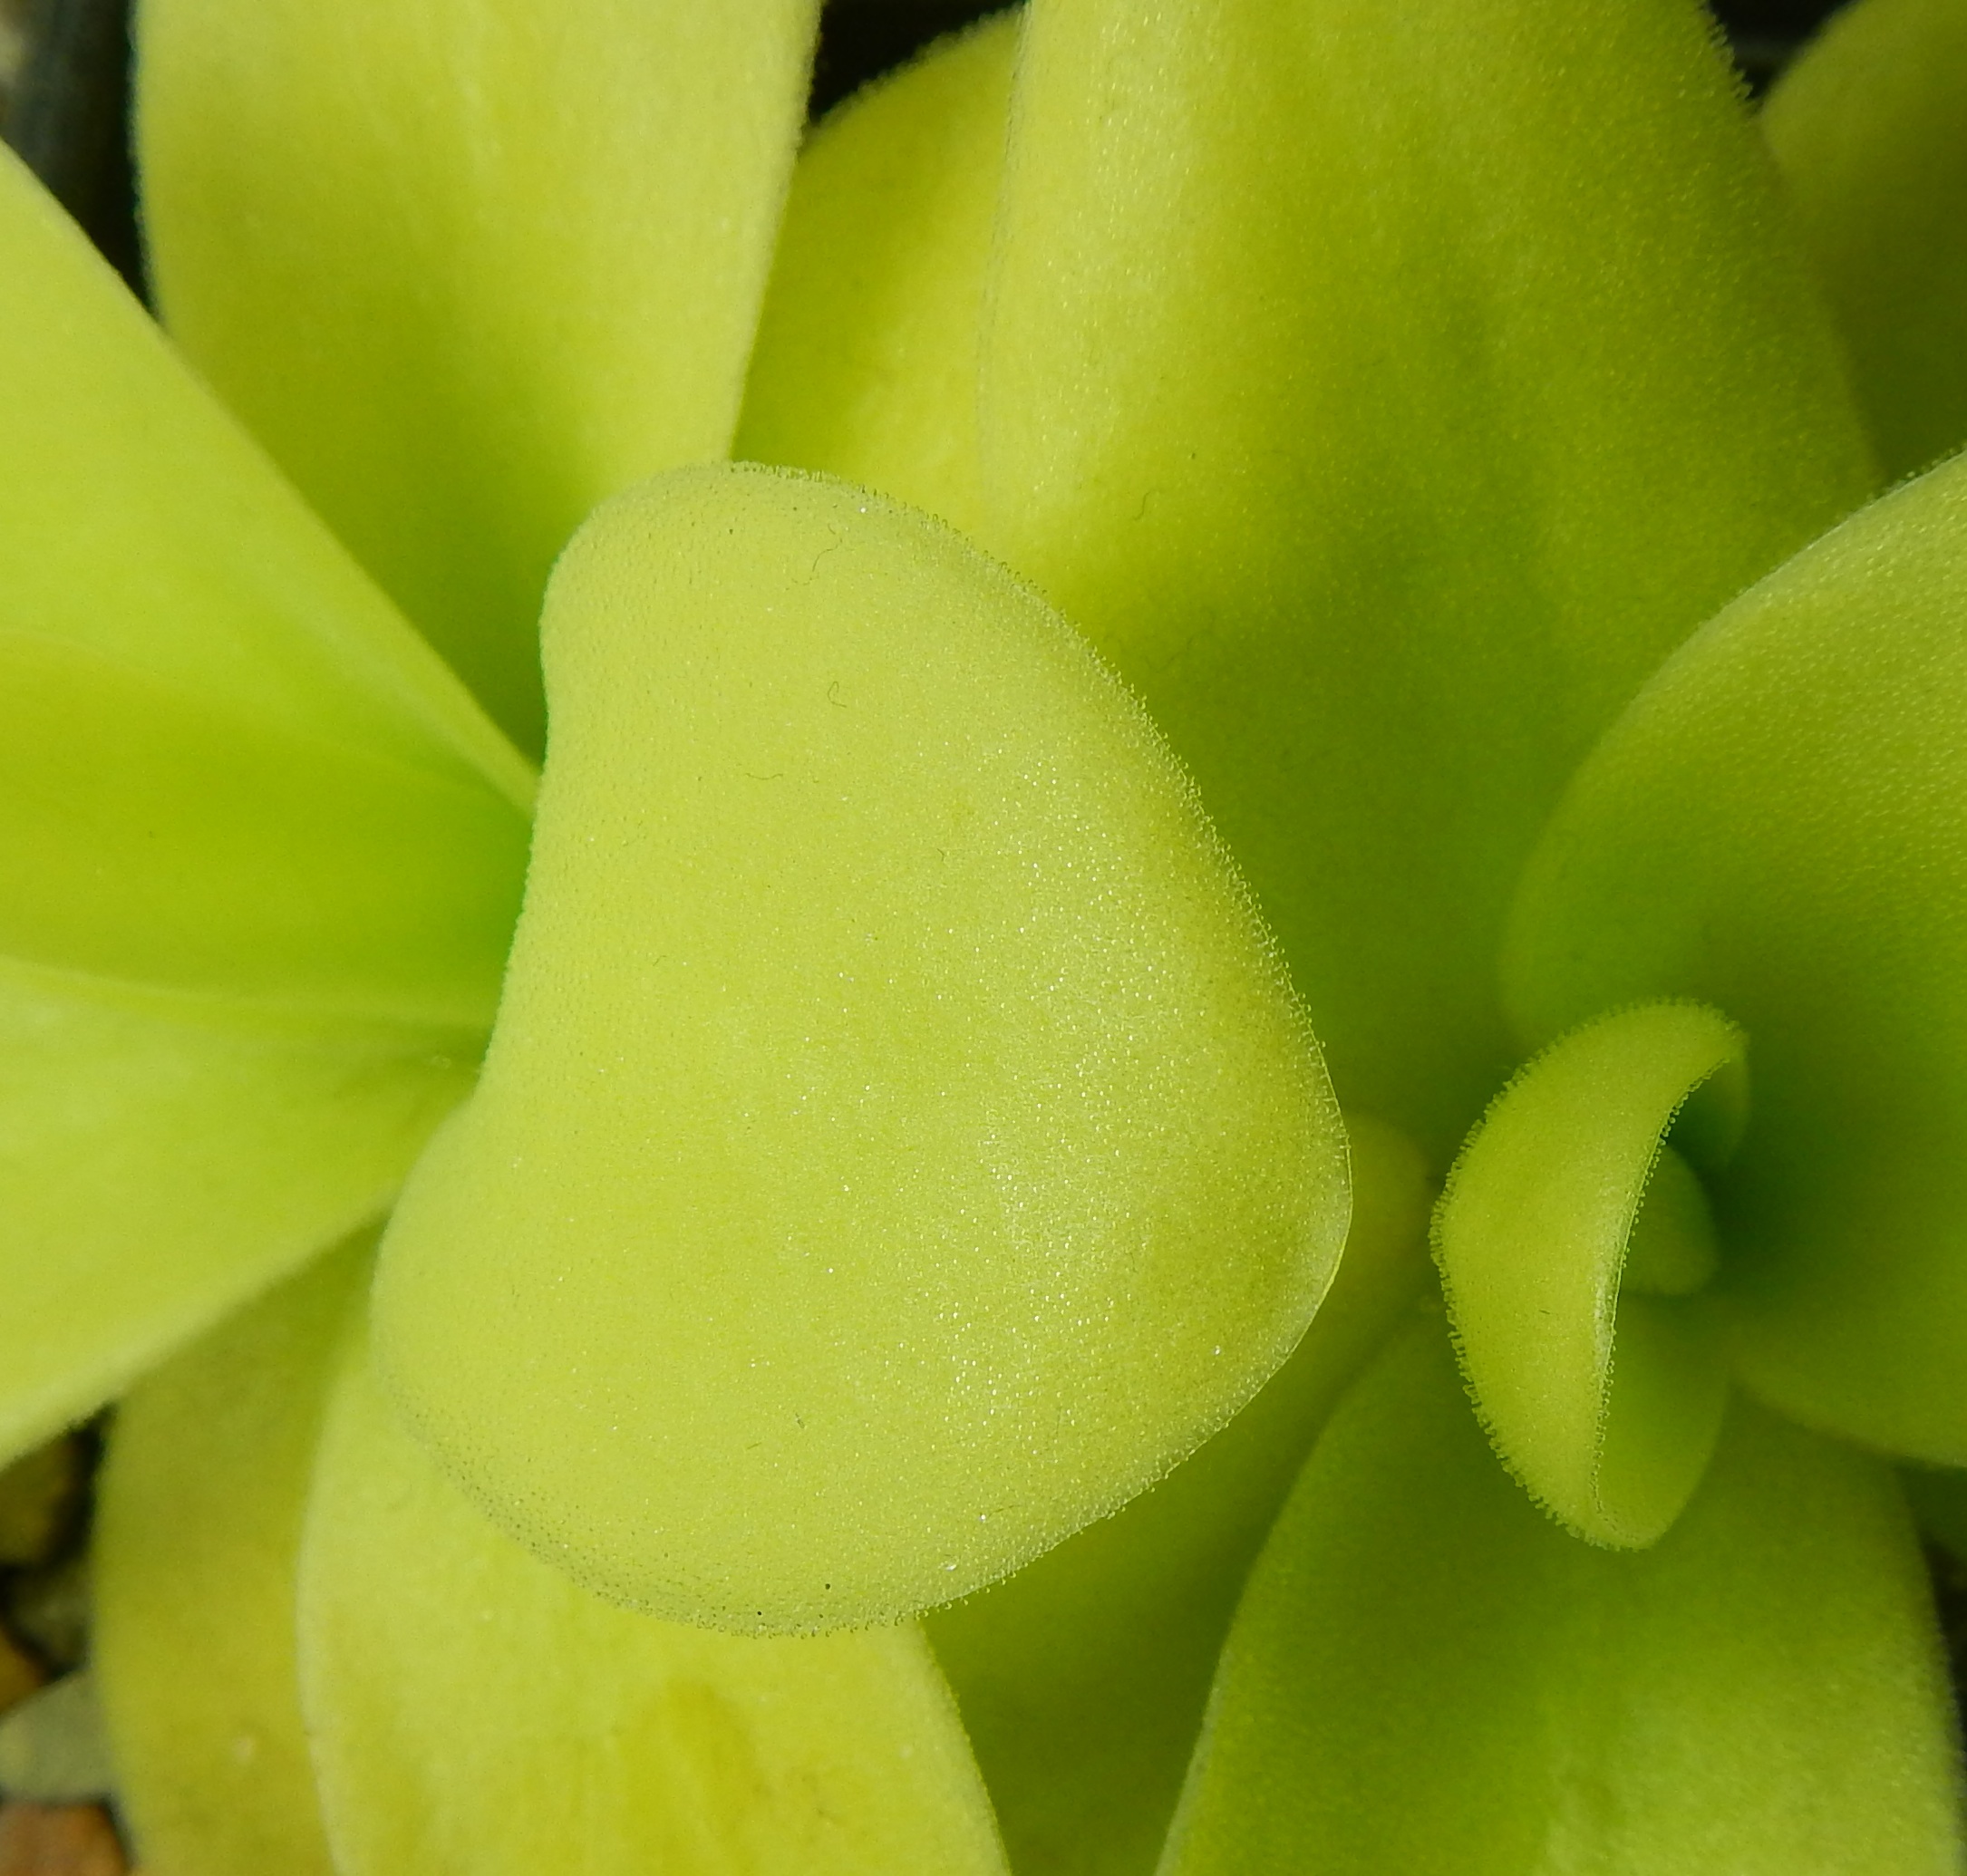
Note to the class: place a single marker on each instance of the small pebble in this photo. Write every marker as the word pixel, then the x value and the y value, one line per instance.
pixel 58 1840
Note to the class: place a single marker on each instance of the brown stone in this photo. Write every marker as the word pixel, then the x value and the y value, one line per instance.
pixel 37 1501
pixel 58 1840
pixel 20 1673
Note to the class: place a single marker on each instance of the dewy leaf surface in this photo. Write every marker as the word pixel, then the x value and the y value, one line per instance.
pixel 1777 826
pixel 476 1713
pixel 195 1554
pixel 1427 1674
pixel 898 1146
pixel 1385 393
pixel 1082 1679
pixel 1868 129
pixel 164 1157
pixel 866 358
pixel 468 266
pixel 1574 1242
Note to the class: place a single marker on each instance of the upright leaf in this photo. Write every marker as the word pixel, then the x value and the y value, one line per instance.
pixel 1386 393
pixel 866 358
pixel 466 268
pixel 1868 129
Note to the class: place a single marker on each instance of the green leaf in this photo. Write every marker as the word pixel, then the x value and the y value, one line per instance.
pixel 898 1146
pixel 1574 1242
pixel 195 1548
pixel 1386 393
pixel 1868 129
pixel 866 363
pixel 1775 828
pixel 466 269
pixel 1427 1674
pixel 155 837
pixel 139 523
pixel 1082 1679
pixel 228 764
pixel 477 1714
pixel 163 1157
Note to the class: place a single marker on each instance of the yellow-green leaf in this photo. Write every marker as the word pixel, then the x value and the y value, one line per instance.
pixel 466 266
pixel 898 1146
pixel 1574 1242
pixel 475 1713
pixel 1428 1674
pixel 196 1550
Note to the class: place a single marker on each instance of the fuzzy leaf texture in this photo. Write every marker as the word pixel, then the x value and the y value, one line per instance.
pixel 1775 827
pixel 466 269
pixel 1384 396
pixel 1428 1674
pixel 899 1145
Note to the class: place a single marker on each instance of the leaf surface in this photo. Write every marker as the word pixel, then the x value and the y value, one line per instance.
pixel 1082 1679
pixel 1386 393
pixel 1867 127
pixel 1777 826
pixel 195 1552
pixel 899 1146
pixel 466 269
pixel 164 1158
pixel 476 1713
pixel 1428 1674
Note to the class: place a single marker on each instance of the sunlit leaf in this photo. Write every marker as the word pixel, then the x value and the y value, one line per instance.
pixel 1428 1674
pixel 466 266
pixel 1082 1679
pixel 898 1146
pixel 196 1547
pixel 475 1713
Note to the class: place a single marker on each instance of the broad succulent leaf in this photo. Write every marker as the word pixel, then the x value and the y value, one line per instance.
pixel 899 1146
pixel 164 1158
pixel 1386 396
pixel 1868 129
pixel 138 522
pixel 266 853
pixel 1427 1673
pixel 476 1713
pixel 1576 1241
pixel 195 1553
pixel 466 269
pixel 866 358
pixel 1774 827
pixel 1082 1679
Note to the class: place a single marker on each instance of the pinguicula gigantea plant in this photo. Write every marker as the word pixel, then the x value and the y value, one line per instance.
pixel 1254 521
